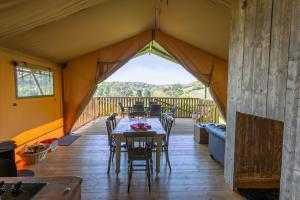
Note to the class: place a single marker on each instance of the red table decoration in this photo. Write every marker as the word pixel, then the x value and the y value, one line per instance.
pixel 140 126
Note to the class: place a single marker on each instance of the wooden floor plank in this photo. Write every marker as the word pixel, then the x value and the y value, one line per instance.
pixel 194 174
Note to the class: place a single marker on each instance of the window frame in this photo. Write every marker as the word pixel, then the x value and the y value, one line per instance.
pixel 31 66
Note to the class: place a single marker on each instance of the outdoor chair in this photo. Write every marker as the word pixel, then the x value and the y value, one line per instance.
pixel 155 111
pixel 137 110
pixel 113 120
pixel 110 125
pixel 173 112
pixel 151 103
pixel 140 146
pixel 139 103
pixel 164 121
pixel 123 110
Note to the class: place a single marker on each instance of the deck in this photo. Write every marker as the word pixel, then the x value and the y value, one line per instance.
pixel 194 174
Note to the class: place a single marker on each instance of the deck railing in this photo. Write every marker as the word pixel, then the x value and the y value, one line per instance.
pixel 204 110
pixel 90 113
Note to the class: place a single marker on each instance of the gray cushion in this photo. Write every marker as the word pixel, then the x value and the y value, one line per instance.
pixel 218 130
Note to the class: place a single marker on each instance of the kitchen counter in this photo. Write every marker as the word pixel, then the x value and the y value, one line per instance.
pixel 58 188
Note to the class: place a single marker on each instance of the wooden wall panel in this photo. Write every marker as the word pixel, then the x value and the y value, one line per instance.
pixel 261 42
pixel 290 174
pixel 248 58
pixel 279 51
pixel 258 152
pixel 258 68
pixel 256 56
pixel 234 81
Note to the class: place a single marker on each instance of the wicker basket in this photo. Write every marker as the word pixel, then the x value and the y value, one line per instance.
pixel 53 144
pixel 33 158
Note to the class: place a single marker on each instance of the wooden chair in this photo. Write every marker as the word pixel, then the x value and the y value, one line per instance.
pixel 167 123
pixel 164 121
pixel 139 146
pixel 110 126
pixel 165 147
pixel 123 110
pixel 113 120
pixel 172 112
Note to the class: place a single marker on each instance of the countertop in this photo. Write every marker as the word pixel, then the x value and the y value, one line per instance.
pixel 56 188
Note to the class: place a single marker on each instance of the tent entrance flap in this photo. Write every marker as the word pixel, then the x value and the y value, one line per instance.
pixel 82 74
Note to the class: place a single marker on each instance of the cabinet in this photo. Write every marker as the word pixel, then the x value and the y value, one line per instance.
pixel 200 134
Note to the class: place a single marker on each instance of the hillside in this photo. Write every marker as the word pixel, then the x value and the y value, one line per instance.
pixel 191 90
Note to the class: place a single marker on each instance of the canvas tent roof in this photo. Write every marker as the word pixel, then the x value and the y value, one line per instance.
pixel 60 30
pixel 96 37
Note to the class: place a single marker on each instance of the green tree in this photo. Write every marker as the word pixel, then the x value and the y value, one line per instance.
pixel 186 95
pixel 194 89
pixel 157 92
pixel 106 91
pixel 139 93
pixel 147 92
pixel 99 91
pixel 176 90
pixel 125 91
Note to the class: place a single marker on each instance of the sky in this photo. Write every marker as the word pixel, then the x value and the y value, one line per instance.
pixel 152 69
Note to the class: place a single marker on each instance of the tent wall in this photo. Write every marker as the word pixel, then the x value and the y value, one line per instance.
pixel 29 118
pixel 82 74
pixel 209 69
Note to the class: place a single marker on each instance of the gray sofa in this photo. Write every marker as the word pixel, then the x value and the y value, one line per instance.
pixel 216 141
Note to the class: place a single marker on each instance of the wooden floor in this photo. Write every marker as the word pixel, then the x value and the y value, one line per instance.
pixel 194 174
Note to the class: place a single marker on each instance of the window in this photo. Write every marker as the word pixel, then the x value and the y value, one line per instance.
pixel 32 81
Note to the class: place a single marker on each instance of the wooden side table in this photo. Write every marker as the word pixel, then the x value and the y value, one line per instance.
pixel 200 134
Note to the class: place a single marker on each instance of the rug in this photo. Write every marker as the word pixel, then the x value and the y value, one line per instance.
pixel 67 140
pixel 25 173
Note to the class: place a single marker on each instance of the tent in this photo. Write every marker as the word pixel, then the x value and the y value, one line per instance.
pixel 91 39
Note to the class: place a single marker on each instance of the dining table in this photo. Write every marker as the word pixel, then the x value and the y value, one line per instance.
pixel 124 126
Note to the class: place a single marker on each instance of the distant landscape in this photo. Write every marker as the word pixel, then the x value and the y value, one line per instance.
pixel 139 89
